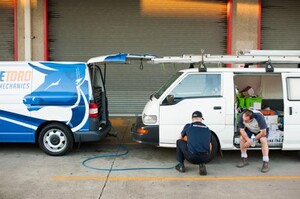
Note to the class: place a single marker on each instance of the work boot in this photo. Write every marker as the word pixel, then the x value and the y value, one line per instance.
pixel 265 167
pixel 180 168
pixel 202 170
pixel 242 163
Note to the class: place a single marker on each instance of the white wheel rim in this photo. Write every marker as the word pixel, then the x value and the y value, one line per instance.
pixel 55 140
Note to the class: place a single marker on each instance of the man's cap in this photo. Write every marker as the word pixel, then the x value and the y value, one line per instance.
pixel 197 114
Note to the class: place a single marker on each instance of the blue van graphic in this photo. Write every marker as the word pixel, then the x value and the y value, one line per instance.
pixel 53 105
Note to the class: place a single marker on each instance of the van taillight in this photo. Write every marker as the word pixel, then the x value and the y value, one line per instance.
pixel 93 110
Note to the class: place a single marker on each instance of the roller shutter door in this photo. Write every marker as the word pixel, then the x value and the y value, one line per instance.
pixel 6 30
pixel 280 25
pixel 80 29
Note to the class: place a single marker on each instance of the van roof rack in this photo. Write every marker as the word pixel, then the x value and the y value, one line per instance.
pixel 269 67
pixel 249 57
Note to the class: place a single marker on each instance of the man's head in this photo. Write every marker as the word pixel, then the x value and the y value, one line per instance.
pixel 197 116
pixel 248 116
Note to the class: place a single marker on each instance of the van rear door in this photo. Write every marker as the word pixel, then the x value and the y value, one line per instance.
pixel 99 93
pixel 291 82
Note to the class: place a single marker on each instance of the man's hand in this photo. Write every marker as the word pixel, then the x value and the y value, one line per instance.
pixel 263 133
pixel 183 138
pixel 248 143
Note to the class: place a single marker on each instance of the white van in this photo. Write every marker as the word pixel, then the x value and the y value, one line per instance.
pixel 216 93
pixel 52 103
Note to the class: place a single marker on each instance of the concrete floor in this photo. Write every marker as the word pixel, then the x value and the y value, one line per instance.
pixel 26 172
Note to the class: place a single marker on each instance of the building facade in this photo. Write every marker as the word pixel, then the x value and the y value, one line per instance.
pixel 76 30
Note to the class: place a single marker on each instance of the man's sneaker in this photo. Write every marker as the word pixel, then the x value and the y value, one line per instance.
pixel 202 170
pixel 242 163
pixel 265 167
pixel 180 168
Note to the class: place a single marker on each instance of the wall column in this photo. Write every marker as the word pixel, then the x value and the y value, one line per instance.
pixel 245 25
pixel 30 30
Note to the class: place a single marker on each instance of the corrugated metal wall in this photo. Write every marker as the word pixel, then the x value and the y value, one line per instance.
pixel 6 30
pixel 280 25
pixel 79 30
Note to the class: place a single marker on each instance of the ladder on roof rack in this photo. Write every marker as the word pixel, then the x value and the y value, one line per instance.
pixel 267 57
pixel 248 59
pixel 270 52
pixel 229 59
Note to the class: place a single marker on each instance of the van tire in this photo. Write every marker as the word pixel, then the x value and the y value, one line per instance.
pixel 56 139
pixel 215 147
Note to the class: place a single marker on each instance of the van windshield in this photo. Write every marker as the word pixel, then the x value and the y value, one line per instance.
pixel 166 85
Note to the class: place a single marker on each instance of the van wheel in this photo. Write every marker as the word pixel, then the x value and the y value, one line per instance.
pixel 215 148
pixel 56 139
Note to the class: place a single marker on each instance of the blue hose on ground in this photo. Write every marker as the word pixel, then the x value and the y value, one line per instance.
pixel 115 155
pixel 126 151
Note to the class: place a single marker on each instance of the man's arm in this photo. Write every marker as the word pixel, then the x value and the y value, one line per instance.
pixel 244 134
pixel 183 134
pixel 245 137
pixel 263 133
pixel 262 125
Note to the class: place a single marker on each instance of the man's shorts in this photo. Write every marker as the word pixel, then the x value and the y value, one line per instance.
pixel 249 133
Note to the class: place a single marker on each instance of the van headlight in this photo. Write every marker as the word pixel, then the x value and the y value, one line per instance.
pixel 149 119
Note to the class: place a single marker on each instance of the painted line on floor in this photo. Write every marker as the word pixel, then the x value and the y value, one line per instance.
pixel 224 178
pixel 112 143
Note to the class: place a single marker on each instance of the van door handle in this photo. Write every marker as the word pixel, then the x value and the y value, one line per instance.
pixel 217 107
pixel 291 110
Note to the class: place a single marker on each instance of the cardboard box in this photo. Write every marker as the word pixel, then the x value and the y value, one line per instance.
pixel 271 119
pixel 248 91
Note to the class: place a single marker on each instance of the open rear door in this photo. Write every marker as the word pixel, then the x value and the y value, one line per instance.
pixel 291 82
pixel 120 58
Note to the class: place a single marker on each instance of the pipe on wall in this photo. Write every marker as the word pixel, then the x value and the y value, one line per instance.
pixel 46 51
pixel 27 30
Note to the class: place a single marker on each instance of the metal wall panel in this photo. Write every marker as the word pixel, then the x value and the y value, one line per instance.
pixel 280 25
pixel 6 30
pixel 80 29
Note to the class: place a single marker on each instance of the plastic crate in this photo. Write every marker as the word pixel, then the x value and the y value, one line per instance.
pixel 241 102
pixel 250 100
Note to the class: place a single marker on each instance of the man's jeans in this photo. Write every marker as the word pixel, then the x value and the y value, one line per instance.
pixel 182 153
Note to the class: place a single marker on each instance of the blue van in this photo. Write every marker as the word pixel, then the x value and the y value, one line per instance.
pixel 52 103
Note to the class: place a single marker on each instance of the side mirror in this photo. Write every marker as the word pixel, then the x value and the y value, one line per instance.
pixel 170 99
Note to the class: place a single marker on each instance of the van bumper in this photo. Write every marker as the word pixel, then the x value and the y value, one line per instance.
pixel 94 135
pixel 152 137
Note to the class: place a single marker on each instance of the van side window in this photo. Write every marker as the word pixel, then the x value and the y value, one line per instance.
pixel 293 88
pixel 198 85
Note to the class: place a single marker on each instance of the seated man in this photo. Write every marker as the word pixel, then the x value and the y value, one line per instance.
pixel 194 144
pixel 253 122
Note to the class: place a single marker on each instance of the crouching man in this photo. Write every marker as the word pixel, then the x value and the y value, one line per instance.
pixel 194 144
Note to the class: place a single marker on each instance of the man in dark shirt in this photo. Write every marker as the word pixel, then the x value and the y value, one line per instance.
pixel 194 144
pixel 253 122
